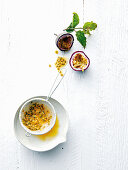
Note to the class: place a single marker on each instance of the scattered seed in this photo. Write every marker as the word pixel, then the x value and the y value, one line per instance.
pixel 56 52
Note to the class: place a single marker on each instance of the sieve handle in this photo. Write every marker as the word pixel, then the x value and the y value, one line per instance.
pixel 56 83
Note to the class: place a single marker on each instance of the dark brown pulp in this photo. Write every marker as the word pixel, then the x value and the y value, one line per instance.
pixel 65 42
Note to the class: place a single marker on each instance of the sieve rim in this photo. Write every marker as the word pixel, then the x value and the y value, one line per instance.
pixel 37 132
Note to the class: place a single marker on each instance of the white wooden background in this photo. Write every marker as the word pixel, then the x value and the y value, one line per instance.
pixel 97 100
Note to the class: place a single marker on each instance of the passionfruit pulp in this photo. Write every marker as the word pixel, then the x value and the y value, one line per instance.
pixel 79 61
pixel 64 41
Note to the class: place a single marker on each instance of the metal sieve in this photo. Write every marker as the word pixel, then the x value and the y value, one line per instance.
pixel 45 102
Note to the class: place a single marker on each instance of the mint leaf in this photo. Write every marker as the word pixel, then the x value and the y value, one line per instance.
pixel 89 26
pixel 81 38
pixel 75 21
pixel 70 28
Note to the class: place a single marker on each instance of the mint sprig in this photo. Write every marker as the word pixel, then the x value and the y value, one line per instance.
pixel 82 31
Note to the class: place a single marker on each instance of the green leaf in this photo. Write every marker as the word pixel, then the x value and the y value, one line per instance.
pixel 89 26
pixel 81 38
pixel 70 28
pixel 75 21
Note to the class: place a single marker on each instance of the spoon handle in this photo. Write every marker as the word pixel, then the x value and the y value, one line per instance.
pixel 56 83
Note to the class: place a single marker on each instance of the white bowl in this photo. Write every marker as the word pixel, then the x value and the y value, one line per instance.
pixel 33 142
pixel 26 106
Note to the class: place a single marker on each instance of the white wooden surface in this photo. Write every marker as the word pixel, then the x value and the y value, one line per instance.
pixel 97 100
